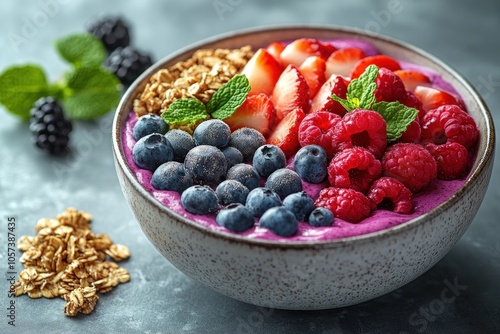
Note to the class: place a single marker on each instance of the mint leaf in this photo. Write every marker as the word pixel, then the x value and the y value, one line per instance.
pixel 20 87
pixel 81 49
pixel 397 116
pixel 348 105
pixel 92 92
pixel 360 91
pixel 229 97
pixel 185 113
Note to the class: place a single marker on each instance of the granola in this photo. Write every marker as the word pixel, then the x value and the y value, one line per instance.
pixel 197 77
pixel 67 260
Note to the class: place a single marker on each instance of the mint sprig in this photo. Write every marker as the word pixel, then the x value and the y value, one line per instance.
pixel 188 112
pixel 87 90
pixel 361 94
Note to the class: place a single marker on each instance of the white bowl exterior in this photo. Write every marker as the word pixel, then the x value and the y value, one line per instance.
pixel 315 275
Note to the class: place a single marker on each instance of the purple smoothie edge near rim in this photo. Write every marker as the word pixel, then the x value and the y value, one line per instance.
pixel 306 31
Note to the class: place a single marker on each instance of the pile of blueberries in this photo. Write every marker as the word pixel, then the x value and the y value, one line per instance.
pixel 234 174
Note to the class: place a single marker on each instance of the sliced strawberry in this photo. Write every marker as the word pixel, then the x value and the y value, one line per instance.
pixel 432 98
pixel 322 101
pixel 291 92
pixel 262 71
pixel 300 49
pixel 275 49
pixel 285 134
pixel 256 112
pixel 342 61
pixel 313 70
pixel 412 79
pixel 379 60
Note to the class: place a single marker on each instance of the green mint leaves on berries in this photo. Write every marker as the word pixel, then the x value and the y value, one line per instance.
pixel 224 102
pixel 87 90
pixel 360 94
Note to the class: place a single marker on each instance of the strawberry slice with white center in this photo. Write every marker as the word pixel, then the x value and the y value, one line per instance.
pixel 412 79
pixel 313 70
pixel 275 49
pixel 342 61
pixel 291 92
pixel 286 132
pixel 300 49
pixel 378 60
pixel 322 101
pixel 262 71
pixel 432 98
pixel 257 112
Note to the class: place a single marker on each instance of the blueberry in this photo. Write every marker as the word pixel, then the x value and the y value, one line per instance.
pixel 245 174
pixel 267 159
pixel 247 140
pixel 151 151
pixel 284 182
pixel 260 200
pixel 233 156
pixel 321 217
pixel 300 204
pixel 231 191
pixel 207 164
pixel 311 163
pixel 148 124
pixel 212 132
pixel 199 200
pixel 280 221
pixel 181 142
pixel 235 217
pixel 172 176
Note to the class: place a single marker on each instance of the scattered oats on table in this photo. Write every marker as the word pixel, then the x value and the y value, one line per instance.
pixel 66 259
pixel 197 77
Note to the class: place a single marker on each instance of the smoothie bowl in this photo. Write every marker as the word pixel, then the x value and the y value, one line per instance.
pixel 286 256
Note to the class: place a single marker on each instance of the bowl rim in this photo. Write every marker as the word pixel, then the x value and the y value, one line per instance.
pixel 482 158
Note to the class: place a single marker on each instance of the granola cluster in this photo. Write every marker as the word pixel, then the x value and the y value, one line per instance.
pixel 66 259
pixel 197 77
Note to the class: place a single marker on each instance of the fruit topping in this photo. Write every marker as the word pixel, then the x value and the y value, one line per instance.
pixel 267 159
pixel 231 191
pixel 275 49
pixel 432 98
pixel 412 79
pixel 151 151
pixel 280 221
pixel 245 174
pixel 172 176
pixel 317 129
pixel 291 92
pixel 322 101
pixel 311 163
pixel 387 193
pixel 148 124
pixel 233 156
pixel 300 49
pixel 127 63
pixel 262 72
pixel 300 204
pixel 199 200
pixel 235 217
pixel 378 60
pixel 247 141
pixel 313 70
pixel 259 200
pixel 451 159
pixel 321 217
pixel 257 112
pixel 285 134
pixel 207 164
pixel 411 164
pixel 49 128
pixel 347 204
pixel 342 61
pixel 181 141
pixel 390 87
pixel 213 132
pixel 284 182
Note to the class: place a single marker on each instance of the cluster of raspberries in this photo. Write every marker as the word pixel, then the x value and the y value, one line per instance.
pixel 367 173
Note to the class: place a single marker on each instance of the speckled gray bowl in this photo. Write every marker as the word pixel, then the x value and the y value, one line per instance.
pixel 320 275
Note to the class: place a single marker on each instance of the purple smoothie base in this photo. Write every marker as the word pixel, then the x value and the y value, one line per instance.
pixel 424 201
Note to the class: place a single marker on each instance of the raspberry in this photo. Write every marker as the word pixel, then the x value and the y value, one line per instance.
pixel 451 159
pixel 354 168
pixel 127 64
pixel 317 129
pixel 390 87
pixel 411 164
pixel 387 193
pixel 347 204
pixel 449 123
pixel 411 100
pixel 112 31
pixel 49 129
pixel 364 128
pixel 411 134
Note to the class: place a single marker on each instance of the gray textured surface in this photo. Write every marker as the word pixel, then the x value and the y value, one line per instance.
pixel 159 299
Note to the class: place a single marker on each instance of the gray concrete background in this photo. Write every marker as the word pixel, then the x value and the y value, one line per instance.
pixel 160 299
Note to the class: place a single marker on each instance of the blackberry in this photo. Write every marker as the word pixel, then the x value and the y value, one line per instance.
pixel 127 63
pixel 112 31
pixel 49 129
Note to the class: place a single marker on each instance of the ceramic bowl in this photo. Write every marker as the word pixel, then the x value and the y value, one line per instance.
pixel 310 275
